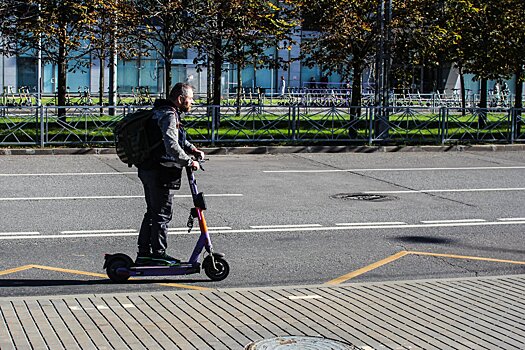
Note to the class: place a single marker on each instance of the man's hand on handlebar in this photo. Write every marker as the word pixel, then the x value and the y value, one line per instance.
pixel 198 159
pixel 195 165
pixel 198 153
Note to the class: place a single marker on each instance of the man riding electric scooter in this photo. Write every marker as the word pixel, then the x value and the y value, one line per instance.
pixel 162 173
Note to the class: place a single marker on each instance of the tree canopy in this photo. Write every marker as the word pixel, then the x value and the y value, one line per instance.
pixel 482 37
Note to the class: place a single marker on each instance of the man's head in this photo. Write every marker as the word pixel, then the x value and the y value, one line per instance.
pixel 182 96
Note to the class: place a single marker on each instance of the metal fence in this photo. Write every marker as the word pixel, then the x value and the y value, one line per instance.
pixel 256 124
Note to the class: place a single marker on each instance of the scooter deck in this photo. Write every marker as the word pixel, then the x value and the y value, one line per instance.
pixel 182 269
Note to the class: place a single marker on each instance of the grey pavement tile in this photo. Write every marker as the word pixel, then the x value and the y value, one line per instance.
pixel 71 324
pixel 418 330
pixel 376 330
pixel 16 331
pixel 43 323
pixel 152 322
pixel 477 314
pixel 451 323
pixel 464 313
pixel 433 317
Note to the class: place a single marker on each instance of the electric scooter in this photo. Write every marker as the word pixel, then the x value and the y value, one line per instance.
pixel 120 267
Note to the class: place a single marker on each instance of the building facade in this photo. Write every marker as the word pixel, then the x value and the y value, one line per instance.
pixel 148 72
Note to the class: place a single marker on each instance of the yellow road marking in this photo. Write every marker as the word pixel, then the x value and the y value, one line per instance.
pixel 368 268
pixel 75 272
pixel 16 269
pixel 401 254
pixel 86 273
pixel 183 286
pixel 453 256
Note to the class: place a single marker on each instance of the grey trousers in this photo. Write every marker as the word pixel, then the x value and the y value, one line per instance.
pixel 153 235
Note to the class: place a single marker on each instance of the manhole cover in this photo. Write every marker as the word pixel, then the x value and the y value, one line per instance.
pixel 361 197
pixel 299 342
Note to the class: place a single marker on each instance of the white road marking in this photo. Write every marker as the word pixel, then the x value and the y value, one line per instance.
pixel 393 169
pixel 98 231
pixel 447 221
pixel 18 233
pixel 510 219
pixel 371 223
pixel 289 229
pixel 282 171
pixel 449 190
pixel 109 197
pixel 197 226
pixel 70 174
pixel 286 226
pixel 177 230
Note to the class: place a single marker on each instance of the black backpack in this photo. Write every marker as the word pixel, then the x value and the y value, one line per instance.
pixel 132 140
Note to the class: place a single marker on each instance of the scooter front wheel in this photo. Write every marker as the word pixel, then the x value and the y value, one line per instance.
pixel 217 273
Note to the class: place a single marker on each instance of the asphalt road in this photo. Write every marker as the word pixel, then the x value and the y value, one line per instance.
pixel 287 219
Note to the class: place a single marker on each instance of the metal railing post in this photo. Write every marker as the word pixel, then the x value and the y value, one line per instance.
pixel 293 111
pixel 40 113
pixel 443 116
pixel 371 116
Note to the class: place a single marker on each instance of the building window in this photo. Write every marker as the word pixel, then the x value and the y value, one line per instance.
pixel 27 72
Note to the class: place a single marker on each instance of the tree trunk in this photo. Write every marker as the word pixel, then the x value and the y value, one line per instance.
pixel 462 91
pixel 209 86
pixel 167 74
pixel 217 71
pixel 518 101
pixel 355 103
pixel 217 65
pixel 101 76
pixel 483 93
pixel 62 82
pixel 356 88
pixel 482 119
pixel 209 92
pixel 239 88
pixel 112 95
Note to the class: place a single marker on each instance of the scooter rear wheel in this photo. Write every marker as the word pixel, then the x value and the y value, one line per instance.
pixel 221 270
pixel 111 270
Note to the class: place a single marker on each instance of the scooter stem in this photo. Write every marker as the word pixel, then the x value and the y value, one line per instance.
pixel 204 241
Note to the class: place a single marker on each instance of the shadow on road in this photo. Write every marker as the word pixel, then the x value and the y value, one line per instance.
pixel 424 239
pixel 453 243
pixel 64 282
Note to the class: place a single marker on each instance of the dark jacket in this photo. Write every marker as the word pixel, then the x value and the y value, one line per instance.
pixel 166 125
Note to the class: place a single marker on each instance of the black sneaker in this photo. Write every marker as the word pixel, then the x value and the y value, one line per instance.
pixel 163 259
pixel 143 258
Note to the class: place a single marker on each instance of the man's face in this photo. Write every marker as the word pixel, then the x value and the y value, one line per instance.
pixel 185 102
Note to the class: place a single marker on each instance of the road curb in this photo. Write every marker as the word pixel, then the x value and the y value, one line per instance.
pixel 281 149
pixel 266 288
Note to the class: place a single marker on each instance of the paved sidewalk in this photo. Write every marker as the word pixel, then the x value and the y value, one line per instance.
pixel 466 313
